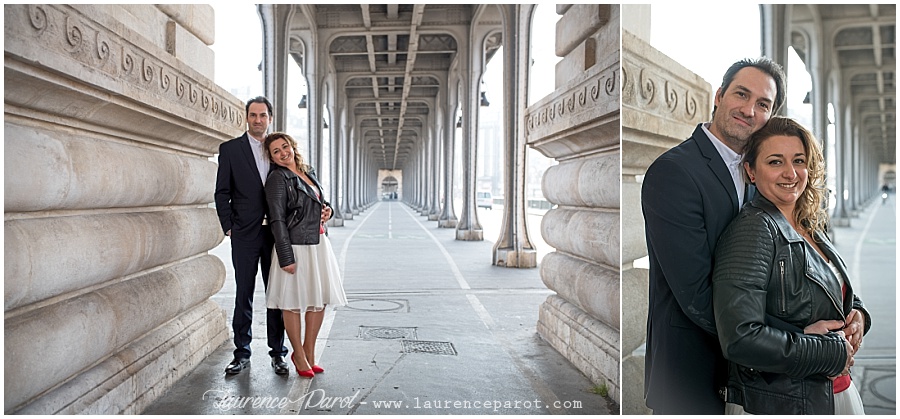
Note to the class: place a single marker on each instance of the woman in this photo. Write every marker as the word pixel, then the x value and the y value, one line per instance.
pixel 306 277
pixel 780 290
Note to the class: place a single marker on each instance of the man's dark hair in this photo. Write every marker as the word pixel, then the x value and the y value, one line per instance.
pixel 258 99
pixel 765 65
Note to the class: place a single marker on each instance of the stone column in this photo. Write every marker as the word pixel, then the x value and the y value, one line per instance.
pixel 662 103
pixel 276 19
pixel 110 119
pixel 434 179
pixel 578 125
pixel 448 215
pixel 468 228
pixel 513 248
pixel 337 134
pixel 347 175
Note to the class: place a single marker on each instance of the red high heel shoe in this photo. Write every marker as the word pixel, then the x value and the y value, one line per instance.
pixel 310 373
pixel 317 369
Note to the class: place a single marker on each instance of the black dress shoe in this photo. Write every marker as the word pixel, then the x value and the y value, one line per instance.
pixel 279 365
pixel 237 365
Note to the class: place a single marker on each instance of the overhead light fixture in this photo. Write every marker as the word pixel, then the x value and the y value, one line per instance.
pixel 302 104
pixel 807 100
pixel 484 101
pixel 459 122
pixel 326 124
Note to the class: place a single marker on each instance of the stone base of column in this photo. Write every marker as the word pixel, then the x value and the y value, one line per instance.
pixel 433 217
pixel 348 215
pixel 589 345
pixel 336 222
pixel 355 212
pixel 470 235
pixel 451 223
pixel 129 381
pixel 511 258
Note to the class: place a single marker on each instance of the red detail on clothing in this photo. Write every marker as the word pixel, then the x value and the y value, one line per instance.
pixel 843 382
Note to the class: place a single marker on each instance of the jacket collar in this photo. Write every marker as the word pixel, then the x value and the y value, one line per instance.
pixel 791 235
pixel 715 163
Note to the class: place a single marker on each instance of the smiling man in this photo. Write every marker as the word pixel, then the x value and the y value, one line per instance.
pixel 688 197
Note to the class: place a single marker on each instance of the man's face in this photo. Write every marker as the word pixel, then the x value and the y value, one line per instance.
pixel 258 119
pixel 744 107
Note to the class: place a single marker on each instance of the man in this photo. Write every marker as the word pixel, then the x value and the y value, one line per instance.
pixel 241 206
pixel 689 195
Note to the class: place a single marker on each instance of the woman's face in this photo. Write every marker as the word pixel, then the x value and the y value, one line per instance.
pixel 780 171
pixel 282 153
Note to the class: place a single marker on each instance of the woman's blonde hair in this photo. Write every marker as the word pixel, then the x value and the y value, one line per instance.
pixel 298 159
pixel 809 211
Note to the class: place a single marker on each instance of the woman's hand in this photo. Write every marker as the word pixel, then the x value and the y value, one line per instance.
pixel 856 323
pixel 326 214
pixel 290 268
pixel 822 327
pixel 850 353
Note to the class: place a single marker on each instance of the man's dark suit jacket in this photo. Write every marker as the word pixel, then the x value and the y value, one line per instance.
pixel 688 198
pixel 240 194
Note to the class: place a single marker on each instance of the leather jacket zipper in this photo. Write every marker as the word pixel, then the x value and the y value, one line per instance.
pixel 783 296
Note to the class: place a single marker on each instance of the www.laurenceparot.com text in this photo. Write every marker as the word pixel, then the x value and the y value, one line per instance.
pixel 319 400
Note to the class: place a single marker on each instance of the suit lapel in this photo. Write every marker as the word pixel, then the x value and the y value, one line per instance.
pixel 248 155
pixel 716 165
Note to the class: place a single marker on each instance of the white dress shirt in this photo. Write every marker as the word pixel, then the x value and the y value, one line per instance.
pixel 262 161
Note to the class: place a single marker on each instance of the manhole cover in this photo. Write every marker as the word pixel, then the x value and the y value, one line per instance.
pixel 426 347
pixel 379 305
pixel 377 332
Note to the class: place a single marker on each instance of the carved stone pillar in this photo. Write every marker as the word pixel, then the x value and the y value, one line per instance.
pixel 662 103
pixel 109 127
pixel 578 125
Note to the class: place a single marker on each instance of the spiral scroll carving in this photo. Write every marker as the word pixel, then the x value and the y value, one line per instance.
pixel 38 17
pixel 102 47
pixel 73 33
pixel 179 87
pixel 671 97
pixel 611 84
pixel 647 86
pixel 163 80
pixel 147 71
pixel 127 61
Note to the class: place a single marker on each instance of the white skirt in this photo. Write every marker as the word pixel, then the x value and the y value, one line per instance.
pixel 316 281
pixel 847 402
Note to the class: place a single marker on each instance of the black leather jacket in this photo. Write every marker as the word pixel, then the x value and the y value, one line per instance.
pixel 764 267
pixel 295 212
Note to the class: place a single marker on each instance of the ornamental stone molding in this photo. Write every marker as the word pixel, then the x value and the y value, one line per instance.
pixel 62 39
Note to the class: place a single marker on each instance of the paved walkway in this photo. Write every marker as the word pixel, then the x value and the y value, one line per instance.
pixel 431 328
pixel 869 248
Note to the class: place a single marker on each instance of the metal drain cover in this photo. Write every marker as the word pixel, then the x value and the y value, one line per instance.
pixel 427 347
pixel 377 305
pixel 378 332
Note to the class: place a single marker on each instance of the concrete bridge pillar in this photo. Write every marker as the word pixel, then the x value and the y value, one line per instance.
pixel 578 125
pixel 110 119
